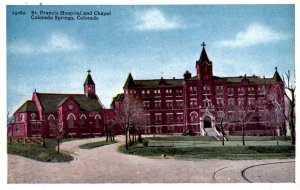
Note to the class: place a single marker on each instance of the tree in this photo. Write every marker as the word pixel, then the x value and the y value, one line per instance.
pixel 290 95
pixel 131 117
pixel 110 123
pixel 273 110
pixel 221 119
pixel 242 113
pixel 57 131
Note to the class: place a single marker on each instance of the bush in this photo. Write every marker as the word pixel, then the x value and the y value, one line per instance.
pixel 145 143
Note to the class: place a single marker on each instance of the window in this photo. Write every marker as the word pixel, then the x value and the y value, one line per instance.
pixel 207 103
pixel 261 90
pixel 193 90
pixel 219 89
pixel 241 101
pixel 146 105
pixel 193 103
pixel 169 104
pixel 251 103
pixel 39 126
pixel 220 102
pixel 33 128
pixel 230 91
pixel 51 122
pixel 169 92
pixel 206 90
pixel 231 103
pixel 241 91
pixel 169 118
pixel 157 105
pixel 97 121
pixel 157 118
pixel 179 118
pixel 82 122
pixel 147 117
pixel 21 117
pixel 193 117
pixel 178 92
pixel 157 93
pixel 33 116
pixel 179 104
pixel 250 90
pixel 17 128
pixel 71 120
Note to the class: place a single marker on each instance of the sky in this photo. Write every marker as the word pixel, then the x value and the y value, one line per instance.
pixel 148 41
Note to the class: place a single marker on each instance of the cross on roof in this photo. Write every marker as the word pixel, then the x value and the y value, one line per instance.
pixel 203 44
pixel 89 71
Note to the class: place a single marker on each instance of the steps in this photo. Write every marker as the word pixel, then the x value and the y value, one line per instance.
pixel 212 132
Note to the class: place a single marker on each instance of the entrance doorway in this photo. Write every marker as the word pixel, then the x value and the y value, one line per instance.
pixel 207 122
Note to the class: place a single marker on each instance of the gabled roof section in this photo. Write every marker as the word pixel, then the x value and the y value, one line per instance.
pixel 50 101
pixel 276 76
pixel 28 106
pixel 204 57
pixel 129 81
pixel 89 79
pixel 64 100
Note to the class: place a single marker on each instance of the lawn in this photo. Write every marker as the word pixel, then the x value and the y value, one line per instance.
pixel 40 153
pixel 198 148
pixel 96 144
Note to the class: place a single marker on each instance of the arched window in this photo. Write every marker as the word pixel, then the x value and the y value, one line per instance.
pixel 71 120
pixel 193 117
pixel 21 117
pixel 33 116
pixel 97 121
pixel 51 120
pixel 82 121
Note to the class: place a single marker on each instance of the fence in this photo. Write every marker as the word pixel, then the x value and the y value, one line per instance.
pixel 25 140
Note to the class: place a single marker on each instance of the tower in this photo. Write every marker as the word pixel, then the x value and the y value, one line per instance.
pixel 204 66
pixel 89 85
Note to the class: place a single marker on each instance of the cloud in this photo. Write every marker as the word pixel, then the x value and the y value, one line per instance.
pixel 55 43
pixel 155 20
pixel 253 35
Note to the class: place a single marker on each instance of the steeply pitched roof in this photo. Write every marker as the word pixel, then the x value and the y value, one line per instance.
pixel 252 79
pixel 89 80
pixel 276 76
pixel 28 106
pixel 129 81
pixel 157 82
pixel 50 101
pixel 203 56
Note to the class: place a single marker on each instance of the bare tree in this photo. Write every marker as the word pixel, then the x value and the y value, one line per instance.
pixel 273 110
pixel 291 104
pixel 131 116
pixel 221 119
pixel 57 131
pixel 242 113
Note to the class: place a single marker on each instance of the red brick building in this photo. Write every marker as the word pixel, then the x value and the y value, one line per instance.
pixel 80 114
pixel 195 102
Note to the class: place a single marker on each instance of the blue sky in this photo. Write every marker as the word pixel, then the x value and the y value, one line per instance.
pixel 148 41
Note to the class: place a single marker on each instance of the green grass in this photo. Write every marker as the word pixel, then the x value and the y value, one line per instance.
pixel 95 144
pixel 199 147
pixel 40 153
pixel 182 138
pixel 218 152
pixel 255 138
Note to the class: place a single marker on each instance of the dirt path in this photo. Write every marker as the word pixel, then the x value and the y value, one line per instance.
pixel 106 165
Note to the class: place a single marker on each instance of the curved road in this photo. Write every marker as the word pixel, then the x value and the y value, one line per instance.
pixel 106 165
